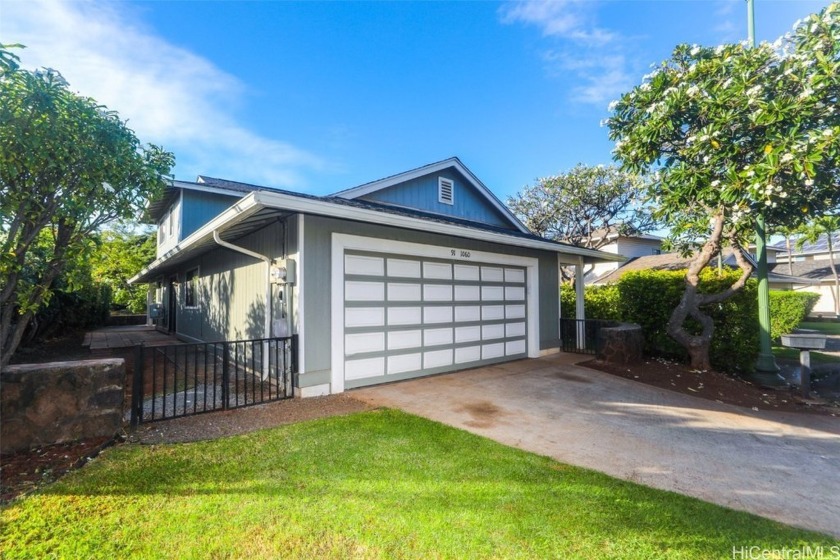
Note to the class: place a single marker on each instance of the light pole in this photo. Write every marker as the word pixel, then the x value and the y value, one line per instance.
pixel 766 370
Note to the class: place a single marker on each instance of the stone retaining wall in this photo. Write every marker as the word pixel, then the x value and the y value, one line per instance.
pixel 58 402
pixel 621 344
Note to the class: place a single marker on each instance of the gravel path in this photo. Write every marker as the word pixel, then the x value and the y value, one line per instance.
pixel 214 425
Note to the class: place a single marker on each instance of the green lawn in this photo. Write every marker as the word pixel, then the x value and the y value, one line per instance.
pixel 792 355
pixel 380 484
pixel 824 327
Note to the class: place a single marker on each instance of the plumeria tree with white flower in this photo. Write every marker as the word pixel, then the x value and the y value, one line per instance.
pixel 727 133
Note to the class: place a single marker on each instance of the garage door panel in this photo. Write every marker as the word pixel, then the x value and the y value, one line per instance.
pixel 362 343
pixel 367 367
pixel 401 268
pixel 404 315
pixel 432 315
pixel 364 291
pixel 492 312
pixel 364 316
pixel 364 265
pixel 399 340
pixel 405 362
pixel 404 292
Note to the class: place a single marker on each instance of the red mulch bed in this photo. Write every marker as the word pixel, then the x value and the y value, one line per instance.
pixel 715 386
pixel 27 470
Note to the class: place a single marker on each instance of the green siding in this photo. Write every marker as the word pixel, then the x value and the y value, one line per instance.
pixel 317 274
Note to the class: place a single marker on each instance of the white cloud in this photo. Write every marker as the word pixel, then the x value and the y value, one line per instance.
pixel 169 95
pixel 592 54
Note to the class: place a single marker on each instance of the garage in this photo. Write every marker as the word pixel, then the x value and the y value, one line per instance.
pixel 403 310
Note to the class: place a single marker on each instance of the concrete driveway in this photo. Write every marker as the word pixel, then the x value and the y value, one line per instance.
pixel 784 466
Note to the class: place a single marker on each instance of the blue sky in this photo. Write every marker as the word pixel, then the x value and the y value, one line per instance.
pixel 318 97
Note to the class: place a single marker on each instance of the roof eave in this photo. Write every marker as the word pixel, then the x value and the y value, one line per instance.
pixel 258 200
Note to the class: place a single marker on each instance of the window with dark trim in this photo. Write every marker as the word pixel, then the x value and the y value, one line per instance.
pixel 191 288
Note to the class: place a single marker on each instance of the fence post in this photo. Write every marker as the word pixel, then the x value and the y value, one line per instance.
pixel 137 387
pixel 225 374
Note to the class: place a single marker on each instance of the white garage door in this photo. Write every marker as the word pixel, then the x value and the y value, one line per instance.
pixel 406 316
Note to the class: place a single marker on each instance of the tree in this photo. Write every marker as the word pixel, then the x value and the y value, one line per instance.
pixel 826 226
pixel 119 254
pixel 583 206
pixel 68 166
pixel 726 133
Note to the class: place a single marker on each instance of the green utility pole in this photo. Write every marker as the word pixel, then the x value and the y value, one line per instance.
pixel 766 370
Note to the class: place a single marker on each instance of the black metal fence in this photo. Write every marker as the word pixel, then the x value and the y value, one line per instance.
pixel 185 379
pixel 580 336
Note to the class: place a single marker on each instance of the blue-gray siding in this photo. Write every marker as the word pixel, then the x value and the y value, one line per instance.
pixel 200 207
pixel 231 295
pixel 422 194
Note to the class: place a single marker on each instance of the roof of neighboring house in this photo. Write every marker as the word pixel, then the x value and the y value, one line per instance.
pixel 819 246
pixel 674 261
pixel 814 270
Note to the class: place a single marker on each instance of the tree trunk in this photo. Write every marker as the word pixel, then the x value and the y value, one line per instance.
pixel 698 345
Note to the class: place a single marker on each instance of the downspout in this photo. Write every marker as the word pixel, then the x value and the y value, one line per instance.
pixel 267 313
pixel 267 261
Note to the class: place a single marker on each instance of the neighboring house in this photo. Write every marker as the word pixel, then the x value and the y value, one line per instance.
pixel 419 273
pixel 629 246
pixel 673 261
pixel 811 261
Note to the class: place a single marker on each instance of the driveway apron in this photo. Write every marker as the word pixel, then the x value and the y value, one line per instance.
pixel 783 466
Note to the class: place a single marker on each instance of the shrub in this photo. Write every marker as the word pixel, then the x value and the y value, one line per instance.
pixel 648 297
pixel 788 309
pixel 599 302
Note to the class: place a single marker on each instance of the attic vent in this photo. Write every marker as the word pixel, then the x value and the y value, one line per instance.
pixel 445 190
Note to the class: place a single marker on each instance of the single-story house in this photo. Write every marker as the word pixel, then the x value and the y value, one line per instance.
pixel 418 273
pixel 812 261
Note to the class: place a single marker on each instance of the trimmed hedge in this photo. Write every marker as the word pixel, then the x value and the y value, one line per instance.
pixel 788 309
pixel 599 302
pixel 648 297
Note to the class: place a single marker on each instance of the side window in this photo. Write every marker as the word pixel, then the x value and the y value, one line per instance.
pixel 191 288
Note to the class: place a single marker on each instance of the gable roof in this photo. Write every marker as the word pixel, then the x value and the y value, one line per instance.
pixel 453 162
pixel 674 261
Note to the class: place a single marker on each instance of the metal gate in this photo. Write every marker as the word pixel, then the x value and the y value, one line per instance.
pixel 185 379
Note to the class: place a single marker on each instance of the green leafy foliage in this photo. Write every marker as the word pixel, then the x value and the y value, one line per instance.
pixel 68 166
pixel 120 253
pixel 788 309
pixel 599 302
pixel 728 134
pixel 582 206
pixel 648 297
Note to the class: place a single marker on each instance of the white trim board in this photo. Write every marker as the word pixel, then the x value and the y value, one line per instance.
pixel 341 242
